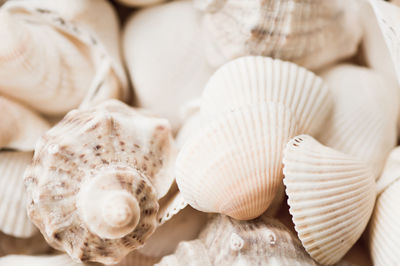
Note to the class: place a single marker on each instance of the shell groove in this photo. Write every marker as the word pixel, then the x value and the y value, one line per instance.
pixel 331 197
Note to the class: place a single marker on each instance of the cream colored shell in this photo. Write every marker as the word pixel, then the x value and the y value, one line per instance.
pixel 95 180
pixel 331 197
pixel 310 33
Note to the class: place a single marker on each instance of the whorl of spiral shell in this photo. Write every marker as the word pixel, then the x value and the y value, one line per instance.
pixel 95 180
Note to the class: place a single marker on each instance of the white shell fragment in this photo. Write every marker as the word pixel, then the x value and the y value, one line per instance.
pixel 311 33
pixel 95 179
pixel 164 53
pixel 226 241
pixel 13 217
pixel 331 197
pixel 20 127
pixel 364 116
pixel 79 61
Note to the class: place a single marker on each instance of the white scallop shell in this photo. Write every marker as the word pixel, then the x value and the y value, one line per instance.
pixel 164 53
pixel 78 61
pixel 310 33
pixel 233 165
pixel 364 116
pixel 20 127
pixel 331 197
pixel 254 79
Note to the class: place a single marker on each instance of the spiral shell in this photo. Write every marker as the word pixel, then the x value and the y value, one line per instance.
pixel 95 180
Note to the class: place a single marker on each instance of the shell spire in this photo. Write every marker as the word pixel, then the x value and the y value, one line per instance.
pixel 95 180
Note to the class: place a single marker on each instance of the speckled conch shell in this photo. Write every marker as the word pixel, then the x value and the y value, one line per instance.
pixel 331 196
pixel 310 33
pixel 384 234
pixel 20 127
pixel 27 246
pixel 13 217
pixel 95 180
pixel 364 116
pixel 54 55
pixel 140 3
pixel 176 69
pixel 233 165
pixel 252 80
pixel 226 241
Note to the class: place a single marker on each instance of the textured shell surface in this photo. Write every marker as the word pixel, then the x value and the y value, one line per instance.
pixel 252 80
pixel 383 230
pixel 176 70
pixel 20 127
pixel 233 165
pixel 77 62
pixel 364 115
pixel 331 197
pixel 310 33
pixel 226 241
pixel 13 218
pixel 95 180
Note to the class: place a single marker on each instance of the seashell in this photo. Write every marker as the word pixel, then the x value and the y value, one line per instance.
pixel 13 217
pixel 226 241
pixel 192 123
pixel 77 62
pixel 20 127
pixel 43 260
pixel 176 70
pixel 95 180
pixel 183 226
pixel 254 79
pixel 140 3
pixel 310 33
pixel 170 205
pixel 27 246
pixel 364 116
pixel 331 197
pixel 383 233
pixel 233 165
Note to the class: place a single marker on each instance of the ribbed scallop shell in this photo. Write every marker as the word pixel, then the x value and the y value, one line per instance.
pixel 13 217
pixel 311 33
pixel 364 116
pixel 112 151
pixel 331 197
pixel 233 165
pixel 176 70
pixel 226 241
pixel 254 79
pixel 78 61
pixel 384 234
pixel 20 127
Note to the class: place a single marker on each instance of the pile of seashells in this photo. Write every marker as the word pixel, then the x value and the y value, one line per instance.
pixel 241 132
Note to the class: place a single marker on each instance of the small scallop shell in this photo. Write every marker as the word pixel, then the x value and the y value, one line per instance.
pixel 95 180
pixel 364 116
pixel 226 241
pixel 254 79
pixel 233 165
pixel 331 197
pixel 310 33
pixel 26 246
pixel 77 62
pixel 383 233
pixel 13 217
pixel 176 69
pixel 20 127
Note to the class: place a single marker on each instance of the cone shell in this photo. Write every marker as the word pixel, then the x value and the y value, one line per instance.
pixel 364 116
pixel 384 235
pixel 95 180
pixel 20 127
pixel 13 218
pixel 310 33
pixel 226 241
pixel 331 197
pixel 76 63
pixel 233 166
pixel 254 79
pixel 176 70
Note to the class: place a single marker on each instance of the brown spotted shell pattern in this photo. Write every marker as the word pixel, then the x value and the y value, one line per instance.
pixel 95 180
